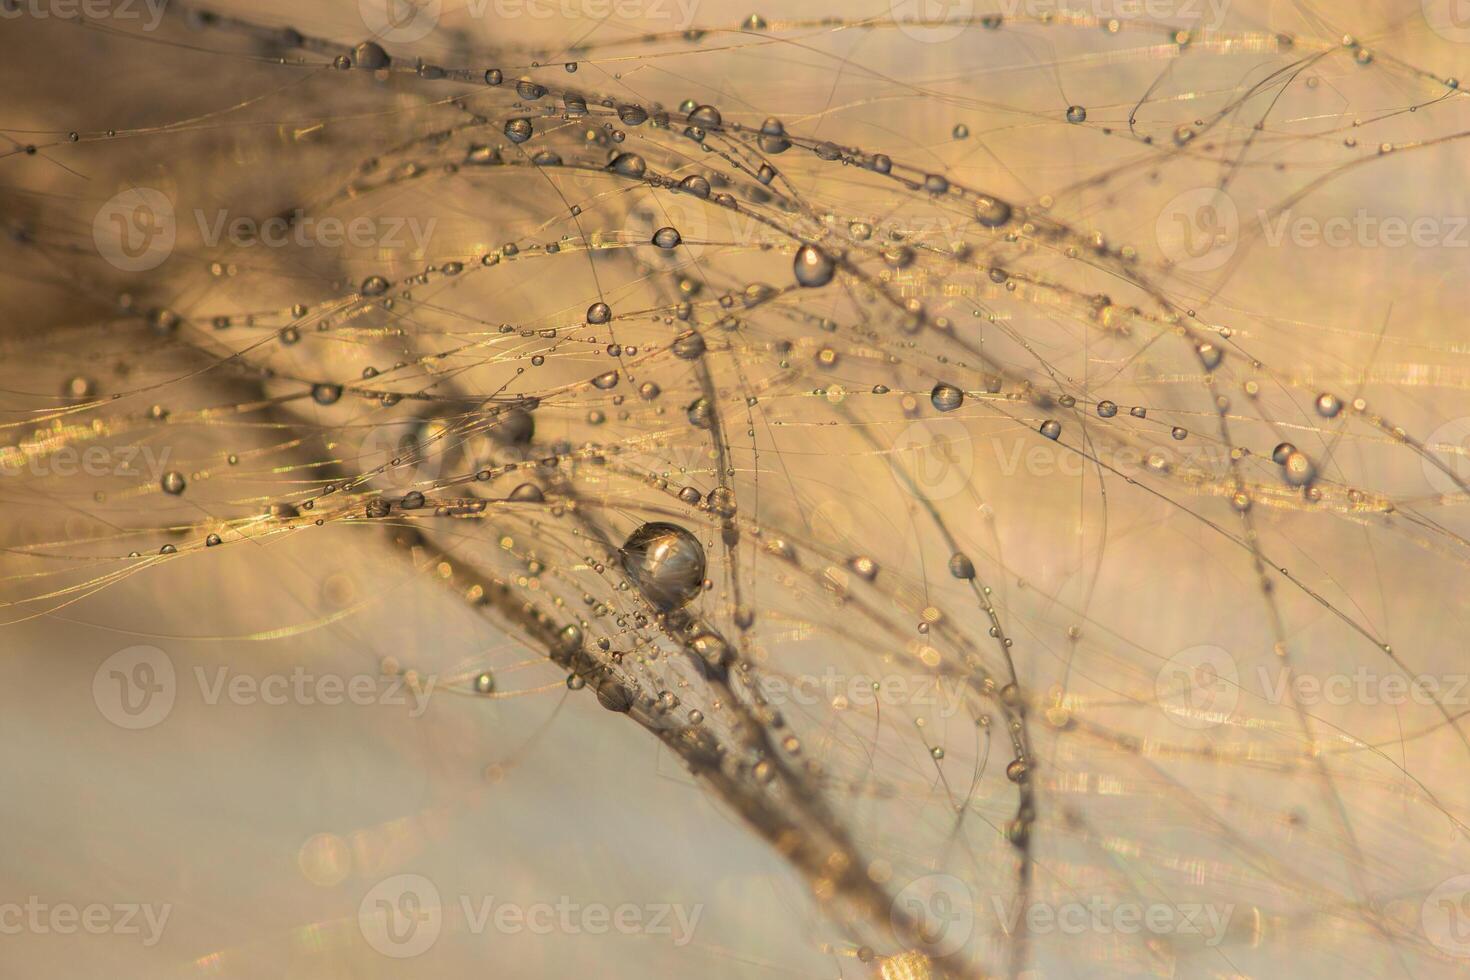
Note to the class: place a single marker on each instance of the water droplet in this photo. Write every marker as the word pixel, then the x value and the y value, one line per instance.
pixel 172 482
pixel 960 566
pixel 527 493
pixel 1018 771
pixel 606 380
pixel 696 185
pixel 706 117
pixel 1209 355
pixel 374 286
pixel 666 563
pixel 813 267
pixel 493 76
pixel 946 397
pixel 688 345
pixel 1298 469
pixel 370 55
pixel 1282 450
pixel 1051 428
pixel 701 413
pixel 518 130
pixel 865 567
pixel 667 237
pixel 628 165
pixel 773 137
pixel 1076 114
pixel 1328 405
pixel 992 212
pixel 485 683
pixel 413 500
pixel 1107 409
pixel 326 394
pixel 721 500
pixel 599 313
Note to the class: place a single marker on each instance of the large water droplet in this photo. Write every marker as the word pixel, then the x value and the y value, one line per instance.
pixel 946 397
pixel 666 563
pixel 813 267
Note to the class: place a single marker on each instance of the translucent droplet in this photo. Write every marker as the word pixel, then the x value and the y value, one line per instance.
pixel 172 482
pixel 667 237
pixel 813 267
pixel 960 566
pixel 666 563
pixel 1076 114
pixel 946 397
pixel 370 55
pixel 518 130
pixel 485 683
pixel 705 117
pixel 773 137
pixel 374 286
pixel 1051 428
pixel 527 493
pixel 992 212
pixel 1209 355
pixel 689 345
pixel 628 165
pixel 1107 409
pixel 326 394
pixel 599 313
pixel 606 380
pixel 701 414
pixel 1298 469
pixel 696 185
pixel 1328 405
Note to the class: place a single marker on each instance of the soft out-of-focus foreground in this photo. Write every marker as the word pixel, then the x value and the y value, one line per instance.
pixel 545 488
